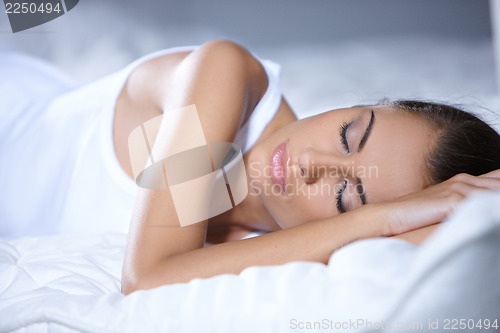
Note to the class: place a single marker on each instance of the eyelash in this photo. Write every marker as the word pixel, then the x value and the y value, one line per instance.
pixel 343 136
pixel 340 207
pixel 343 139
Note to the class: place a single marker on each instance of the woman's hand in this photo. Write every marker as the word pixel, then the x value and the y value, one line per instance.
pixel 434 204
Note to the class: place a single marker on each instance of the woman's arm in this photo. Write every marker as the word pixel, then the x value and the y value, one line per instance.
pixel 309 242
pixel 316 241
pixel 224 82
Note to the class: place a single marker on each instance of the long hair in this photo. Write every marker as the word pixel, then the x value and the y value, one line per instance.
pixel 464 143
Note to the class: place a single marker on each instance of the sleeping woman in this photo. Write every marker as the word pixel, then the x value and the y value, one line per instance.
pixel 67 169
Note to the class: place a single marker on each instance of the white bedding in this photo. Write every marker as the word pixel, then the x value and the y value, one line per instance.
pixel 70 283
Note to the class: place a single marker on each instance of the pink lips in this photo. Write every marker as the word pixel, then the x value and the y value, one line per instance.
pixel 279 159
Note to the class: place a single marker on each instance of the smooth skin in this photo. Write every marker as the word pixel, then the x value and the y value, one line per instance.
pixel 225 83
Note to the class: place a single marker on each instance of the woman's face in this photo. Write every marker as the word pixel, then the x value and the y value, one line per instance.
pixel 336 161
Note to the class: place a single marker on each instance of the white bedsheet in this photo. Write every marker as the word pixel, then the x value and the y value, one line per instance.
pixel 67 284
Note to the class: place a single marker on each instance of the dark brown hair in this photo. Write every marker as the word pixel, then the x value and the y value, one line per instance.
pixel 463 144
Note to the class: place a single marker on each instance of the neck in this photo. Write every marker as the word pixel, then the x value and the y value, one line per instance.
pixel 251 212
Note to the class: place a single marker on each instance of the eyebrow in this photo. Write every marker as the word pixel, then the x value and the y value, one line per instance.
pixel 367 132
pixel 359 185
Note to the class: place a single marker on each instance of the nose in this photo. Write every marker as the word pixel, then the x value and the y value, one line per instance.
pixel 315 165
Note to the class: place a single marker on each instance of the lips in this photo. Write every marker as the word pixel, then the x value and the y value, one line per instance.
pixel 279 159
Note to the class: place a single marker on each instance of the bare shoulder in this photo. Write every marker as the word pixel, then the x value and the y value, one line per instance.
pixel 230 55
pixel 212 60
pixel 221 78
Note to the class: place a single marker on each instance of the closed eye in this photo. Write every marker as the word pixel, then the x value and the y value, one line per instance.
pixel 340 206
pixel 343 136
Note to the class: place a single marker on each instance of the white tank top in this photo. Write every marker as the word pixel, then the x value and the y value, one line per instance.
pixel 58 169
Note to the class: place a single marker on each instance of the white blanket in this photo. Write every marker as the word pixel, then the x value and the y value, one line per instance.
pixel 67 284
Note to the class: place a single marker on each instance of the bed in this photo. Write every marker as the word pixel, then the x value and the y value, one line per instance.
pixel 72 284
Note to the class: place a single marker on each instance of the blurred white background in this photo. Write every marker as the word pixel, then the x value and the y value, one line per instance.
pixel 334 53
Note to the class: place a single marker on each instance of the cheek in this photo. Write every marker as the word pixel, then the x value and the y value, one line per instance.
pixel 307 205
pixel 316 206
pixel 255 164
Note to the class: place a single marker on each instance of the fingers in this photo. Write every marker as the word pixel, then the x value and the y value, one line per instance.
pixel 487 181
pixel 462 190
pixel 493 174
